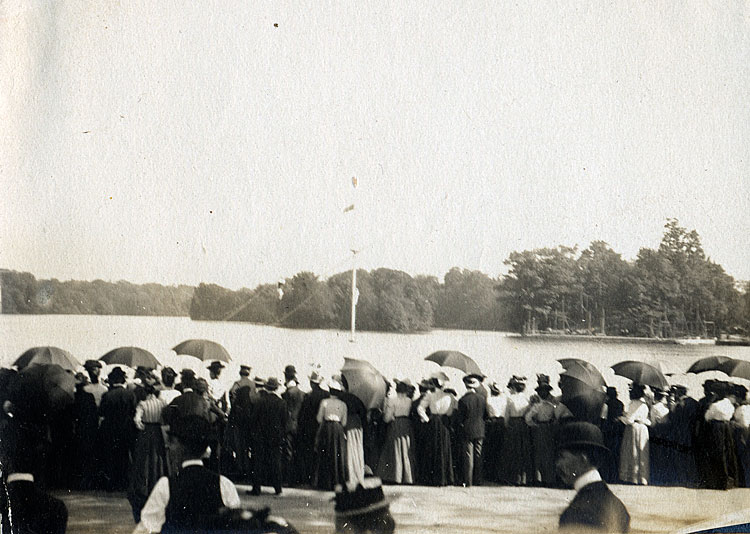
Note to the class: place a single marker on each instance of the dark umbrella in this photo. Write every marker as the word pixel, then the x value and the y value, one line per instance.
pixel 641 373
pixel 584 401
pixel 583 371
pixel 55 355
pixel 736 368
pixel 710 363
pixel 130 356
pixel 455 359
pixel 364 381
pixel 203 349
pixel 40 391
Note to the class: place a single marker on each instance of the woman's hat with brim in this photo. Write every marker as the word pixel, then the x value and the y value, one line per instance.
pixel 580 435
pixel 116 376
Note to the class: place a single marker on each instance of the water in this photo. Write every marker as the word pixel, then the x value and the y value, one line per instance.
pixel 268 349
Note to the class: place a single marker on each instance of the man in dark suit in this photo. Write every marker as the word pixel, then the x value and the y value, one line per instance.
pixel 117 431
pixel 270 419
pixel 594 508
pixel 293 397
pixel 307 428
pixel 472 411
pixel 32 509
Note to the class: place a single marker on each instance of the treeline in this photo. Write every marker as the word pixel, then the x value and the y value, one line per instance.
pixel 673 291
pixel 23 293
pixel 388 300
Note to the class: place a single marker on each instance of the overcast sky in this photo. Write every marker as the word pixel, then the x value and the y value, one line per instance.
pixel 181 142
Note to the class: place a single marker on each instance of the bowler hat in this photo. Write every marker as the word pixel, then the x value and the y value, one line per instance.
pixel 90 364
pixel 581 435
pixel 216 365
pixel 192 428
pixel 290 372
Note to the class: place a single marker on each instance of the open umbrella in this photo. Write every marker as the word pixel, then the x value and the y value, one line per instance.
pixel 736 368
pixel 455 359
pixel 130 356
pixel 583 371
pixel 55 355
pixel 364 381
pixel 583 400
pixel 709 363
pixel 203 349
pixel 641 373
pixel 40 391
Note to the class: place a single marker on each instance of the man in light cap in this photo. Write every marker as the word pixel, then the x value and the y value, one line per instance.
pixel 595 508
pixel 244 381
pixel 472 411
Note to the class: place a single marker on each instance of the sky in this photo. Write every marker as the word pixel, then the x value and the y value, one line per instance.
pixel 188 142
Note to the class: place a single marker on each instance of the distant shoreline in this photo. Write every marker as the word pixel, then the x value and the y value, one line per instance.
pixel 612 339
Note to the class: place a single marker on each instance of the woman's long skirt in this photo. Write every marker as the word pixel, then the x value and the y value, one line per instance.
pixel 543 441
pixel 634 455
pixel 718 455
pixel 355 455
pixel 438 453
pixel 149 465
pixel 493 449
pixel 396 462
pixel 330 444
pixel 517 467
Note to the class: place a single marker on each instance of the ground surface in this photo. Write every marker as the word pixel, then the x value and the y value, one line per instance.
pixel 427 510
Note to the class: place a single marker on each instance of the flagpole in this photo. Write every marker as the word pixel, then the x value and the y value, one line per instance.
pixel 354 297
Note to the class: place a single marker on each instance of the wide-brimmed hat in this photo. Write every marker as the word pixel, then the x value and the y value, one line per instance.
pixel 259 382
pixel 216 365
pixel 580 435
pixel 472 381
pixel 187 373
pixel 90 364
pixel 168 371
pixel 334 384
pixel 543 388
pixel 315 377
pixel 272 384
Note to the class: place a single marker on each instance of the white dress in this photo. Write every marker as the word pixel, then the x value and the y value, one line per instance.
pixel 634 453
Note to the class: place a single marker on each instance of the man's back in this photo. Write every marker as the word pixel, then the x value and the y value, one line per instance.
pixel 33 511
pixel 596 508
pixel 471 411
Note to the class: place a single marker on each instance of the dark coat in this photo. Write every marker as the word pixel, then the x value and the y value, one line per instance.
pixel 472 411
pixel 595 508
pixel 33 510
pixel 293 398
pixel 270 418
pixel 189 403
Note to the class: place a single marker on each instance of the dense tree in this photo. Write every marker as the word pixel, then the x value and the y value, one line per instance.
pixel 307 303
pixel 468 300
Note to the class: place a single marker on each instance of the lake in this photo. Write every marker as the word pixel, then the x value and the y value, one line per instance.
pixel 268 349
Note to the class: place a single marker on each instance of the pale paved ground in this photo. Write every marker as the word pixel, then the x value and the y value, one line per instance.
pixel 428 510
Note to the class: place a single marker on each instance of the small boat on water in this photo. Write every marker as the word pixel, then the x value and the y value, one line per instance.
pixel 734 341
pixel 695 341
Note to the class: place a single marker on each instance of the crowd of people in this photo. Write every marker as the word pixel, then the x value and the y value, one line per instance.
pixel 269 433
